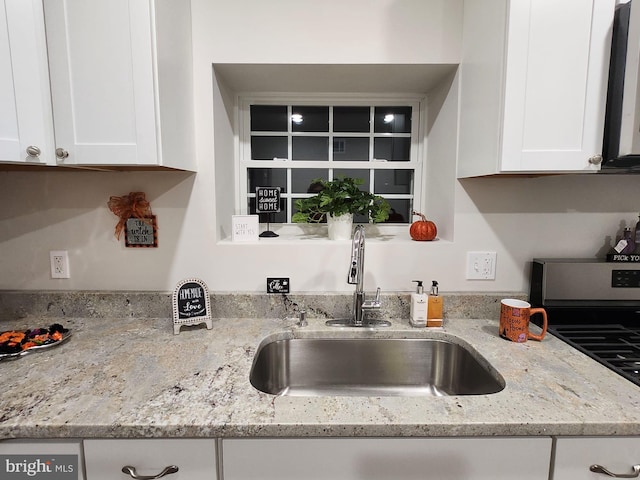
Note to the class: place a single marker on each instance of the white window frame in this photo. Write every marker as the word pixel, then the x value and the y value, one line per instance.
pixel 243 144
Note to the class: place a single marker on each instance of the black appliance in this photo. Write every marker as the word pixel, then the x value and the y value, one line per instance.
pixel 621 144
pixel 594 306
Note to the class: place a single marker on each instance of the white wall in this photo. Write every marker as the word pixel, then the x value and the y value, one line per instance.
pixel 519 218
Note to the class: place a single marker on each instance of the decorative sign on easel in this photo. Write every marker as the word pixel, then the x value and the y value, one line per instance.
pixel 268 201
pixel 191 304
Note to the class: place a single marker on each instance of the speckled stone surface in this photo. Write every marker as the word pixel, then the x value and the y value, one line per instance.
pixel 91 304
pixel 130 376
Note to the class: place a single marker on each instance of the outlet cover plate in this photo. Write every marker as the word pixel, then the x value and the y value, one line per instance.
pixel 59 261
pixel 481 265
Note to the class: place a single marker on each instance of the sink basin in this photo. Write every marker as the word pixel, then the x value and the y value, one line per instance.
pixel 372 367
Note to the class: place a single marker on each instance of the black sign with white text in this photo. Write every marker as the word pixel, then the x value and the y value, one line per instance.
pixel 191 300
pixel 267 199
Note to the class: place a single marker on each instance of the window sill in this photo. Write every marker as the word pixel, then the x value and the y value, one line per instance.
pixel 317 234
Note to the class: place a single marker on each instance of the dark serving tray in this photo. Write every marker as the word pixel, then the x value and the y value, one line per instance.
pixel 65 337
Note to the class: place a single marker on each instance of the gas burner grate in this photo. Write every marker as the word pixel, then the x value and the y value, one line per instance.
pixel 615 346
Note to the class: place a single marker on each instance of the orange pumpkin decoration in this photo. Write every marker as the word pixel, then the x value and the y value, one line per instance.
pixel 423 229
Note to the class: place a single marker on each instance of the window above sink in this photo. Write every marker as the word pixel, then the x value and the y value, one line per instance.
pixel 290 141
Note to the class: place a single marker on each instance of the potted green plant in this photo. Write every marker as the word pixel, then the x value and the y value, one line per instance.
pixel 337 201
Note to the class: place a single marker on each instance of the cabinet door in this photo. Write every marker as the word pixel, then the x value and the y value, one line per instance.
pixel 102 81
pixel 62 457
pixel 533 85
pixel 386 458
pixel 195 459
pixel 26 124
pixel 574 456
pixel 556 82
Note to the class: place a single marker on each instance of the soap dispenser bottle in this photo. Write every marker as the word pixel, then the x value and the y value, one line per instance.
pixel 418 309
pixel 434 307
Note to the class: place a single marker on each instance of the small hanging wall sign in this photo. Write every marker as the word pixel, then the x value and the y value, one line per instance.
pixel 136 220
pixel 141 232
pixel 191 304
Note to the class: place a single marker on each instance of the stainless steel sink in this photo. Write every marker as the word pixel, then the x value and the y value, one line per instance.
pixel 372 367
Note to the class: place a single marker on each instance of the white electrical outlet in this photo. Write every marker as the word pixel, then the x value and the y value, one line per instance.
pixel 481 265
pixel 59 260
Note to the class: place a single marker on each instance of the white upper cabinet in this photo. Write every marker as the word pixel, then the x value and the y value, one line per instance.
pixel 26 124
pixel 121 82
pixel 533 85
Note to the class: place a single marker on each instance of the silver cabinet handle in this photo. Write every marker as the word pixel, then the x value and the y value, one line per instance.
pixel 61 153
pixel 33 151
pixel 132 472
pixel 595 160
pixel 601 469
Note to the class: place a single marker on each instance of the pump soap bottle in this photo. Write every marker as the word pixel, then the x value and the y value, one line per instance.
pixel 434 307
pixel 418 308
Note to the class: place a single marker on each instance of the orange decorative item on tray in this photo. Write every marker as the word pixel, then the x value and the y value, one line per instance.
pixel 423 229
pixel 15 343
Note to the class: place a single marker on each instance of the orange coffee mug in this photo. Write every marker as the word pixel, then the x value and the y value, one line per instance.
pixel 514 320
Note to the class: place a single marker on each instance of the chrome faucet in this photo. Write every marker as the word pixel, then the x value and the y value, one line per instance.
pixel 355 276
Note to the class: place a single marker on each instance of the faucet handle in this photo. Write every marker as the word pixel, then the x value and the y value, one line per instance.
pixel 375 303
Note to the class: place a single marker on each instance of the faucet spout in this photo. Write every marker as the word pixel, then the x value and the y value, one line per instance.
pixel 355 276
pixel 356 267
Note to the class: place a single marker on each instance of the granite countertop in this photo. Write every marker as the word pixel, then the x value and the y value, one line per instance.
pixel 132 377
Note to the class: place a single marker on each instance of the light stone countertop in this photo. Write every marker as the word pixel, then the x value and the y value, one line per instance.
pixel 132 377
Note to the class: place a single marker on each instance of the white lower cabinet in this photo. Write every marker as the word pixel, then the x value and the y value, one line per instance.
pixel 386 458
pixel 60 459
pixel 195 458
pixel 574 457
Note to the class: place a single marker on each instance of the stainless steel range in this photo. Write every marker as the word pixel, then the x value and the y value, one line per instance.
pixel 594 306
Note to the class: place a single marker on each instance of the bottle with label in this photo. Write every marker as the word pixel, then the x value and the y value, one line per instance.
pixel 418 308
pixel 630 247
pixel 434 307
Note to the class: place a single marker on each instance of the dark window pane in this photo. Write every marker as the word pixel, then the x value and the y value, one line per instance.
pixel 268 118
pixel 400 210
pixel 310 119
pixel 310 148
pixel 302 179
pixel 354 173
pixel 267 148
pixel 351 119
pixel 393 149
pixel 350 149
pixel 392 181
pixel 392 120
pixel 276 217
pixel 267 177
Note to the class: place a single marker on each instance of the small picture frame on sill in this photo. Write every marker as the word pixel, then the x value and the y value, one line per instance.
pixel 141 232
pixel 244 228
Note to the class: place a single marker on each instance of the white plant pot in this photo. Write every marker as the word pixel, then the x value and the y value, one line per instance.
pixel 340 226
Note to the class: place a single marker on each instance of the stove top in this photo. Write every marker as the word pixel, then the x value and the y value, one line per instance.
pixel 615 346
pixel 594 306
